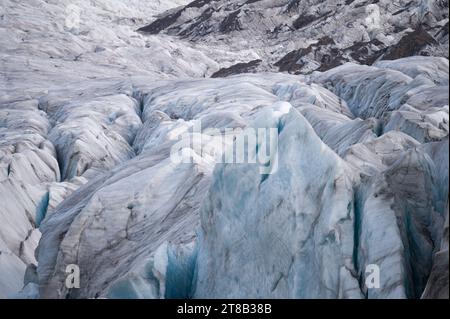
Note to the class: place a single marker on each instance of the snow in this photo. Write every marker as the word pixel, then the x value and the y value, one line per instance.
pixel 245 237
pixel 134 209
pixel 90 111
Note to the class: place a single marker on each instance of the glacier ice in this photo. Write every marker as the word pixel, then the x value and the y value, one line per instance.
pixel 90 110
pixel 219 233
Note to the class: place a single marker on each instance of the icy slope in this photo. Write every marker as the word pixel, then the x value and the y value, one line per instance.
pixel 273 238
pixel 90 109
pixel 45 44
pixel 347 194
pixel 293 231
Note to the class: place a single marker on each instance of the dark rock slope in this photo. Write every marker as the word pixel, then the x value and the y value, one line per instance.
pixel 301 36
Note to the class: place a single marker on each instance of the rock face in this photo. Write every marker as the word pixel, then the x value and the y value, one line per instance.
pixel 303 36
pixel 350 202
pixel 237 69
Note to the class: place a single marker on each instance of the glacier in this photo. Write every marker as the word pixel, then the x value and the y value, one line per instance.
pixel 335 205
pixel 91 108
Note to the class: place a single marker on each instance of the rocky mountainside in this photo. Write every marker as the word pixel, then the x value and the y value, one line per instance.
pixel 301 36
pixel 95 95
